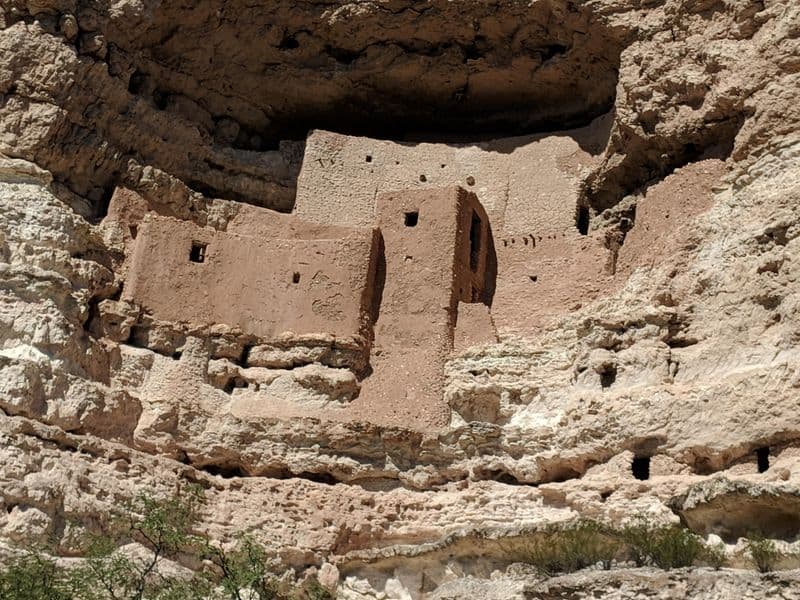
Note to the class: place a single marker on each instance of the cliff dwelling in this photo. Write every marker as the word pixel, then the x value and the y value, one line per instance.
pixel 400 300
pixel 396 257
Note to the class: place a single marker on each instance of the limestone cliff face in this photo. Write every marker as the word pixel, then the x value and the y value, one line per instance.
pixel 674 337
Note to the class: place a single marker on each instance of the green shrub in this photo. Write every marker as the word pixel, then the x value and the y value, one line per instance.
pixel 715 556
pixel 763 553
pixel 164 528
pixel 314 590
pixel 675 547
pixel 34 577
pixel 570 549
pixel 668 547
pixel 245 572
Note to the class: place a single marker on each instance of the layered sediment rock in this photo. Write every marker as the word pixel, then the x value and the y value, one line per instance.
pixel 658 321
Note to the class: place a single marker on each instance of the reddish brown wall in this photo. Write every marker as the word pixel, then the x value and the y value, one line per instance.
pixel 427 271
pixel 248 282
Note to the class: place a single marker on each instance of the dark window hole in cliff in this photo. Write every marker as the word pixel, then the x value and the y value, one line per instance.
pixel 474 241
pixel 476 49
pixel 136 82
pixel 553 50
pixel 245 357
pixel 498 475
pixel 608 376
pixel 134 231
pixel 533 278
pixel 681 342
pixel 295 277
pixel 160 99
pixel 582 219
pixel 342 55
pixel 289 42
pixel 411 218
pixel 234 383
pixel 368 158
pixel 762 458
pixel 224 471
pixel 177 355
pixel 470 180
pixel 324 478
pixel 640 467
pixel 197 254
pixel 423 178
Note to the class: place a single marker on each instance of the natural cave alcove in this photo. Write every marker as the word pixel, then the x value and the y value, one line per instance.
pixel 436 73
pixel 216 114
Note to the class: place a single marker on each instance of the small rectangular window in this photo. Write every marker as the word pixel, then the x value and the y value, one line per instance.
pixel 412 218
pixel 198 252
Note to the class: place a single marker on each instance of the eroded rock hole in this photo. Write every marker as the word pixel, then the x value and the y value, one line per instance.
pixel 224 471
pixel 533 278
pixel 470 180
pixel 411 218
pixel 136 82
pixel 640 467
pixel 234 383
pixel 289 42
pixel 160 99
pixel 608 376
pixel 762 458
pixel 295 277
pixel 197 254
pixel 134 231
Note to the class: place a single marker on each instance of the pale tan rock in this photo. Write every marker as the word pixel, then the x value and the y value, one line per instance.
pixel 675 342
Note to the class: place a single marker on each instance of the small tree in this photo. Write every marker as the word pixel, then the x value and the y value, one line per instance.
pixel 163 527
pixel 245 573
pixel 35 577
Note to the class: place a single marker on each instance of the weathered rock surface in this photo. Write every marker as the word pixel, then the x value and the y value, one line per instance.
pixel 686 355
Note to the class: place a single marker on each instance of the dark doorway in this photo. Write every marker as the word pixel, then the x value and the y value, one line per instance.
pixel 582 220
pixel 640 467
pixel 474 242
pixel 198 252
pixel 762 456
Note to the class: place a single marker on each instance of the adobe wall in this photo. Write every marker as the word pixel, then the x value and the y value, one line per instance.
pixel 264 286
pixel 342 175
pixel 529 187
pixel 429 268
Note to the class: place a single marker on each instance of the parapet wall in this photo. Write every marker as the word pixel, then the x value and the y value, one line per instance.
pixel 265 286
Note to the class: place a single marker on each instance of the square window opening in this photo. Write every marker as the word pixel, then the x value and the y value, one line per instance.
pixel 411 218
pixel 198 252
